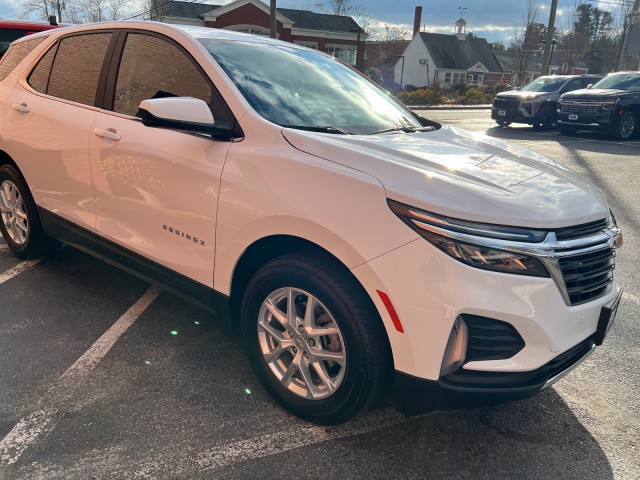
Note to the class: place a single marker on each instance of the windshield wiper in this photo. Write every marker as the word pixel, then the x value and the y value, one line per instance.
pixel 405 129
pixel 319 128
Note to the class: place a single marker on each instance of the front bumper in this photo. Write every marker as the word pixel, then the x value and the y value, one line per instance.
pixel 429 290
pixel 469 389
pixel 601 121
pixel 510 115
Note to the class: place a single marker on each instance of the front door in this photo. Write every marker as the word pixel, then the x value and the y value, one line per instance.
pixel 156 190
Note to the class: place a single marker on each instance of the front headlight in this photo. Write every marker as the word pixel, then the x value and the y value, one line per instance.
pixel 434 227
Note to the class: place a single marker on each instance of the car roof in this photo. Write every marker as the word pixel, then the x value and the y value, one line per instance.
pixel 192 31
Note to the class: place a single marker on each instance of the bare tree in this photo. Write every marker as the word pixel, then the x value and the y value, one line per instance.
pixel 389 44
pixel 40 9
pixel 526 40
pixel 346 8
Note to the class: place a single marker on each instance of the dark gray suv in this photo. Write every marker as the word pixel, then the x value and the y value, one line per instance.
pixel 536 103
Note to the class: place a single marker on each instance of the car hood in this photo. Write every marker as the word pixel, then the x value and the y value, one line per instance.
pixel 463 175
pixel 520 95
pixel 595 93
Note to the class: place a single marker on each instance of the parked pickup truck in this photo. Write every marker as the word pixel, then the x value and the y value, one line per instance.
pixel 536 103
pixel 361 249
pixel 612 105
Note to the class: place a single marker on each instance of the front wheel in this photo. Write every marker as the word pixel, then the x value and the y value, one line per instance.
pixel 626 127
pixel 314 340
pixel 19 222
pixel 545 118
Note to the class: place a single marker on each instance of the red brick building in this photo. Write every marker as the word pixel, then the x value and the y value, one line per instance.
pixel 337 35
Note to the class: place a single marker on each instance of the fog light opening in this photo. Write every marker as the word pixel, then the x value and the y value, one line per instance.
pixel 455 353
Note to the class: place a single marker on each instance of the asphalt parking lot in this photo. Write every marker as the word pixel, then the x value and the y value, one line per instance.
pixel 103 376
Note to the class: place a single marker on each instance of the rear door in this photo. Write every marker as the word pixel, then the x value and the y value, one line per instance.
pixel 47 121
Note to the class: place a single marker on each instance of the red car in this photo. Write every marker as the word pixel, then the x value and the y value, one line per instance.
pixel 11 30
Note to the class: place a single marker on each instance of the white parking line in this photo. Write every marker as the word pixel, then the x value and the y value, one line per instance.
pixel 18 269
pixel 31 427
pixel 296 437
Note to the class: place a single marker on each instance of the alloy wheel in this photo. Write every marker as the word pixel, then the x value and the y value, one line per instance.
pixel 301 343
pixel 627 127
pixel 13 213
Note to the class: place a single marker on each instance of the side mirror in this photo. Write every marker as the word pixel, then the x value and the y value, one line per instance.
pixel 590 85
pixel 183 113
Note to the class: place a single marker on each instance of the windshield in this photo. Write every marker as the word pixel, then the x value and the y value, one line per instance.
pixel 620 81
pixel 545 84
pixel 301 88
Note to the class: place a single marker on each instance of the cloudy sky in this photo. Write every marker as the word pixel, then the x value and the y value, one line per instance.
pixel 491 19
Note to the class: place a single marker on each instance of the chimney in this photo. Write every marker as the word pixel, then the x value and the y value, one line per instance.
pixel 417 20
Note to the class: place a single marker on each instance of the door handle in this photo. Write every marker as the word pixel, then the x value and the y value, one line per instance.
pixel 110 134
pixel 20 107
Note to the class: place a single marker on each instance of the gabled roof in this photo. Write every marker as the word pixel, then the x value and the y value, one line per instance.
pixel 301 18
pixel 319 21
pixel 187 9
pixel 449 52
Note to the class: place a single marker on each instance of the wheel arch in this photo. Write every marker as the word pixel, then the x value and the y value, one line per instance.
pixel 265 249
pixel 5 159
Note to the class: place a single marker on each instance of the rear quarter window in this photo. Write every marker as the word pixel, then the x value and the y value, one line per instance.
pixel 16 54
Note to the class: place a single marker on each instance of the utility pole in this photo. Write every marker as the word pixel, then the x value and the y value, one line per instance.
pixel 550 31
pixel 58 5
pixel 628 24
pixel 272 13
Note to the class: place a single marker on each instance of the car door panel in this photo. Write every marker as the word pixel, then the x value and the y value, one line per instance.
pixel 156 193
pixel 156 189
pixel 47 125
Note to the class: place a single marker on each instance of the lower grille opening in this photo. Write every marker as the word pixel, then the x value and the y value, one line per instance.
pixel 490 339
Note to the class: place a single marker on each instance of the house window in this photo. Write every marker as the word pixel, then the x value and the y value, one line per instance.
pixel 346 54
pixel 475 78
pixel 459 78
pixel 447 77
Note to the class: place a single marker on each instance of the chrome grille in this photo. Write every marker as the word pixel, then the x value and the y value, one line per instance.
pixel 588 276
pixel 506 103
pixel 583 230
pixel 580 107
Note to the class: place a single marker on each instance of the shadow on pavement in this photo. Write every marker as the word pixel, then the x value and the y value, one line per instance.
pixel 594 142
pixel 158 402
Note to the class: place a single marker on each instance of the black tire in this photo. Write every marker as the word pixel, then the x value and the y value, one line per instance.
pixel 34 243
pixel 626 127
pixel 369 367
pixel 567 131
pixel 545 118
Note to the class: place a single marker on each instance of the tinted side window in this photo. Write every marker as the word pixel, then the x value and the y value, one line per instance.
pixel 77 67
pixel 15 55
pixel 574 84
pixel 154 68
pixel 39 78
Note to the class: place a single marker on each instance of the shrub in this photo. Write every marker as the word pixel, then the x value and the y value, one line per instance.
pixel 501 87
pixel 410 88
pixel 374 74
pixel 474 96
pixel 421 96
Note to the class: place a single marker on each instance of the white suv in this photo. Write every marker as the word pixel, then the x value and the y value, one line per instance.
pixel 359 246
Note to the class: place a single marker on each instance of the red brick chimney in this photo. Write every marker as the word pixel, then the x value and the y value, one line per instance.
pixel 417 20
